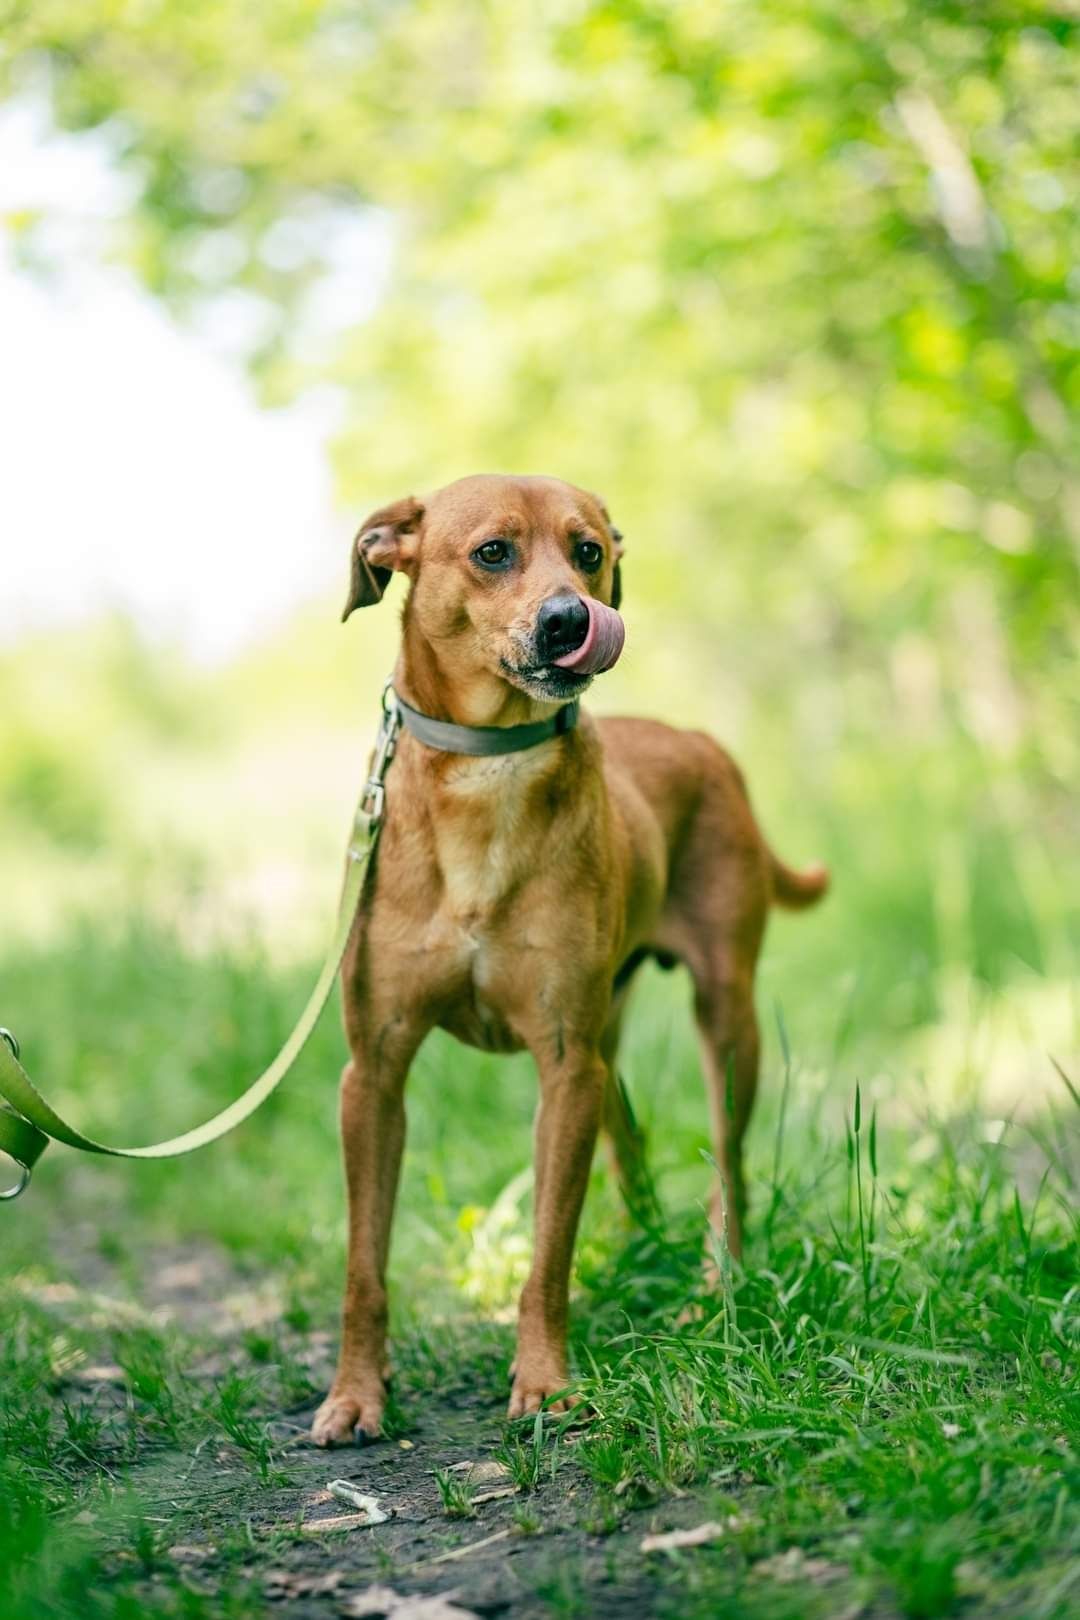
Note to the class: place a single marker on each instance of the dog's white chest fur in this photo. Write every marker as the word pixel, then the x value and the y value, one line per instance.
pixel 484 852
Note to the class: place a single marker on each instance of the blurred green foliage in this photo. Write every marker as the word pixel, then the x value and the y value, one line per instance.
pixel 793 283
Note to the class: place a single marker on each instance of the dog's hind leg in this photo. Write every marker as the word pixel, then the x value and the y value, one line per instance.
pixel 715 922
pixel 730 1047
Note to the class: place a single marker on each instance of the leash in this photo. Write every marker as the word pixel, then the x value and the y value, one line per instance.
pixel 28 1123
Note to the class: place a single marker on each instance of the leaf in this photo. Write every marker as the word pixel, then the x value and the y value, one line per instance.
pixel 384 1601
pixel 497 1495
pixel 345 1491
pixel 340 1521
pixel 288 1583
pixel 98 1373
pixel 672 1540
pixel 182 1553
pixel 470 1548
pixel 478 1473
pixel 375 1600
pixel 794 1565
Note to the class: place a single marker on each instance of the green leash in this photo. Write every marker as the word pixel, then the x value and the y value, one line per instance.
pixel 28 1123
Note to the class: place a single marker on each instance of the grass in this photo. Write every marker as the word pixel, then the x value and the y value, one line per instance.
pixel 880 1405
pixel 454 1495
pixel 895 1395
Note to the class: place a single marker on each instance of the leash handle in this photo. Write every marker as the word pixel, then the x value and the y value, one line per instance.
pixel 16 1125
pixel 27 1120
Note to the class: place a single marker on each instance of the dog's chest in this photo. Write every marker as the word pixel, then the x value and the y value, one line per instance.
pixel 486 841
pixel 487 851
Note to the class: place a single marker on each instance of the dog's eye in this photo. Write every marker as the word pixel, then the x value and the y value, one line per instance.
pixel 493 554
pixel 589 555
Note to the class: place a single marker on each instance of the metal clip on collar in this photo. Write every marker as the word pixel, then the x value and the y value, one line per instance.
pixel 374 795
pixel 24 1170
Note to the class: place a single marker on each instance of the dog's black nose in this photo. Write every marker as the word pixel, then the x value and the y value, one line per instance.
pixel 561 625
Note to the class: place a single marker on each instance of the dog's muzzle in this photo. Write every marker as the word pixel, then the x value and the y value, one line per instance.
pixel 579 634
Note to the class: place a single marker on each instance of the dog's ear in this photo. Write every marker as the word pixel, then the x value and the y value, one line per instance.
pixel 616 580
pixel 385 541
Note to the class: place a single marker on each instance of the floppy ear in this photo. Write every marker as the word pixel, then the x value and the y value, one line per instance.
pixel 381 545
pixel 616 580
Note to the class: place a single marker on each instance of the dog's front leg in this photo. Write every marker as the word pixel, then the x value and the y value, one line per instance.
pixel 571 1104
pixel 373 1134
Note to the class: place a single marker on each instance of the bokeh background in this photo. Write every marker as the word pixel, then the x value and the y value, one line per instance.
pixel 795 286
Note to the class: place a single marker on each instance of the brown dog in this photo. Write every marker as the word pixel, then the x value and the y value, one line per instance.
pixel 513 897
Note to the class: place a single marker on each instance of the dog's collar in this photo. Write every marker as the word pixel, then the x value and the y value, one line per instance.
pixel 484 740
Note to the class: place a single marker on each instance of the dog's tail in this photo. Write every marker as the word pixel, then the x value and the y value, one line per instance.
pixel 797 890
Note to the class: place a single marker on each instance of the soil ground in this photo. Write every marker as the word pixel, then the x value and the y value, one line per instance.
pixel 556 1548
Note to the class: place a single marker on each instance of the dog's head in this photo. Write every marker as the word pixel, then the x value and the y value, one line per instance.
pixel 512 578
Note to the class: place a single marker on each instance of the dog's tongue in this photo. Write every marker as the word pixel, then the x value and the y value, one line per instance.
pixel 603 641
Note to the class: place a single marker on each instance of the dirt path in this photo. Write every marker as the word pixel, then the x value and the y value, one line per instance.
pixel 220 1523
pixel 485 1562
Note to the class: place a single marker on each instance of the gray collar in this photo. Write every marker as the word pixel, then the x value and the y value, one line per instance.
pixel 484 740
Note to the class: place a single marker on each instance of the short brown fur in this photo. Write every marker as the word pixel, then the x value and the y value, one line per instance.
pixel 509 892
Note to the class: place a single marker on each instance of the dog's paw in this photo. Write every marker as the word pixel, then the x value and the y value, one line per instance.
pixel 532 1391
pixel 348 1416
